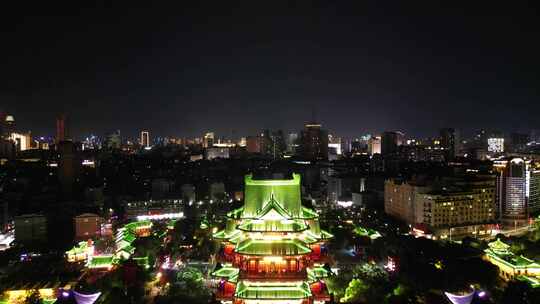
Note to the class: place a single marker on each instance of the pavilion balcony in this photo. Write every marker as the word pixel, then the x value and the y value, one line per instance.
pixel 274 275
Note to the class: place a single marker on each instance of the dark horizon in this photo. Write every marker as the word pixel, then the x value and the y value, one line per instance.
pixel 363 68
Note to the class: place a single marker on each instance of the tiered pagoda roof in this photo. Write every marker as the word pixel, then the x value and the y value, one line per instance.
pixel 271 227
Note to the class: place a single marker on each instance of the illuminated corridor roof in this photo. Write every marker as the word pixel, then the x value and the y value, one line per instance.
pixel 271 291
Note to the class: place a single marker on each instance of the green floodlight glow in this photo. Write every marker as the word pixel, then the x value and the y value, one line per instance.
pixel 285 192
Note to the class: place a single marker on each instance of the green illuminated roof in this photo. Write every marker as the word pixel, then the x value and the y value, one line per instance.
pixel 82 247
pixel 100 261
pixel 499 247
pixel 273 291
pixel 264 247
pixel 127 237
pixel 273 225
pixel 316 273
pixel 228 272
pixel 142 261
pixel 534 282
pixel 285 193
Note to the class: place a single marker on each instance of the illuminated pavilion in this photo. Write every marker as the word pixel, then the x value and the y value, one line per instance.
pixel 273 248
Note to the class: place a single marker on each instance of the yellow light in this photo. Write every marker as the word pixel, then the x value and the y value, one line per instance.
pixel 272 259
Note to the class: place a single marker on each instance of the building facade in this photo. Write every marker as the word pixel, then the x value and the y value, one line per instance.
pixel 30 228
pixel 451 208
pixel 518 184
pixel 314 142
pixel 87 226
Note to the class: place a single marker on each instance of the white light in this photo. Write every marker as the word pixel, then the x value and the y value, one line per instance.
pixel 345 204
pixel 160 216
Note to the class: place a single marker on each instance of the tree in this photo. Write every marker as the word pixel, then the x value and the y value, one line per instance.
pixel 33 298
pixel 355 292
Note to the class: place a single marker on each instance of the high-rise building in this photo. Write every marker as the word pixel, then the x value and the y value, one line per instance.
pixel 145 139
pixel 9 125
pixel 113 141
pixel 273 248
pixel 292 142
pixel 519 141
pixel 69 166
pixel 208 140
pixel 23 141
pixel 513 189
pixel 30 229
pixel 61 129
pixel 495 144
pixel 390 141
pixel 374 145
pixel 87 226
pixel 450 142
pixel 314 142
pixel 253 144
pixel 534 190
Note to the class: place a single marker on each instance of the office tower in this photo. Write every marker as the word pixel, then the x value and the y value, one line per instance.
pixel 292 142
pixel 253 144
pixel 61 130
pixel 390 141
pixel 145 139
pixel 450 142
pixel 495 144
pixel 374 145
pixel 208 140
pixel 8 126
pixel 278 144
pixel 22 141
pixel 113 141
pixel 518 142
pixel 267 145
pixel 273 248
pixel 534 190
pixel 69 166
pixel 87 226
pixel 30 229
pixel 513 189
pixel 2 125
pixel 313 142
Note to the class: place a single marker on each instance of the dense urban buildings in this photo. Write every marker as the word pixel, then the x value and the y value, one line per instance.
pixel 161 155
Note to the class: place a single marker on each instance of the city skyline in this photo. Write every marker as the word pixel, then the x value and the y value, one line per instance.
pixel 362 67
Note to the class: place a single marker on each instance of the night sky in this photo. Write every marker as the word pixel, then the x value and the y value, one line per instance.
pixel 236 69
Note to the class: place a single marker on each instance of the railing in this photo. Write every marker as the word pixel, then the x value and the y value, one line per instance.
pixel 274 275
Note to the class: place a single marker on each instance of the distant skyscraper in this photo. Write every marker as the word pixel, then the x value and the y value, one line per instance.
pixel 69 166
pixel 292 142
pixel 253 144
pixel 374 145
pixel 390 142
pixel 9 125
pixel 314 142
pixel 145 139
pixel 495 144
pixel 113 141
pixel 450 142
pixel 61 132
pixel 519 142
pixel 513 189
pixel 23 141
pixel 208 140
